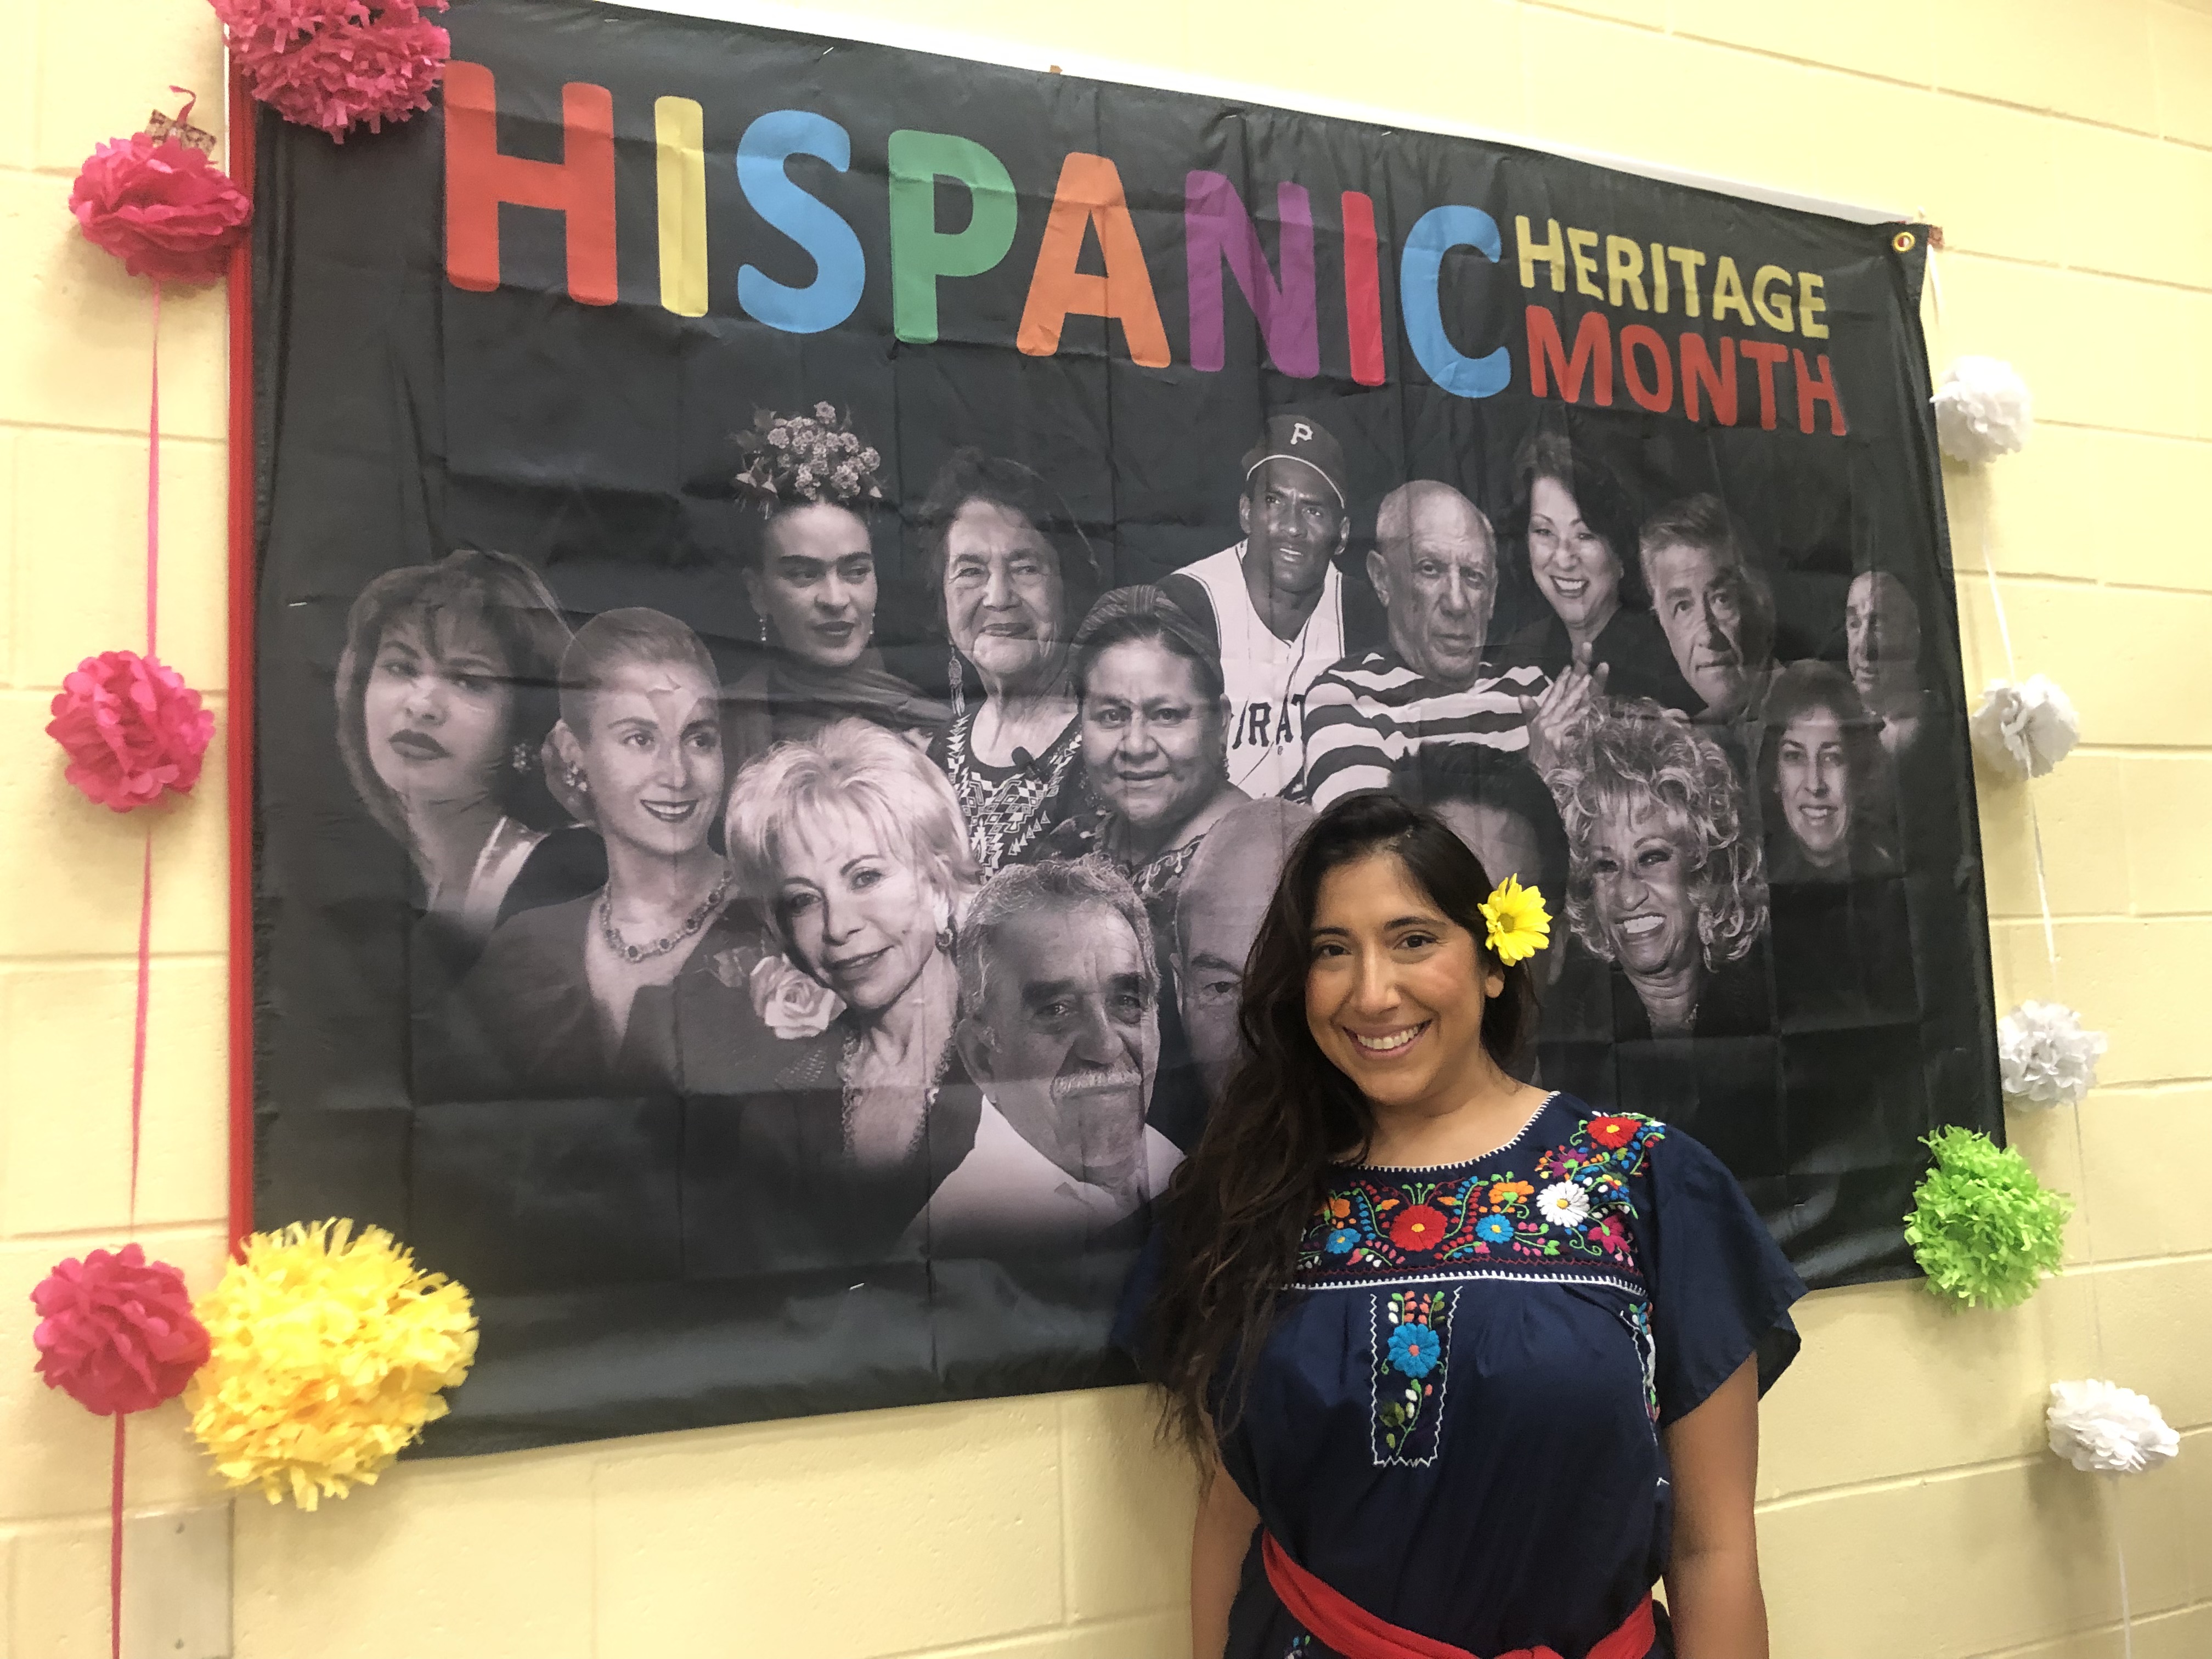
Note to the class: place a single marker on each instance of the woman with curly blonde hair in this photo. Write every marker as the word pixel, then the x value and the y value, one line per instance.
pixel 1666 879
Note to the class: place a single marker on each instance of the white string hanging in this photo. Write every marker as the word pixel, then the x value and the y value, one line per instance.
pixel 2094 1425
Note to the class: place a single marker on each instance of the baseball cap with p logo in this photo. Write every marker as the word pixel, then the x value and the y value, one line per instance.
pixel 1300 438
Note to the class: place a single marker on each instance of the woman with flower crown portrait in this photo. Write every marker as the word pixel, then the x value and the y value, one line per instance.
pixel 444 696
pixel 828 1095
pixel 1012 575
pixel 554 1006
pixel 809 488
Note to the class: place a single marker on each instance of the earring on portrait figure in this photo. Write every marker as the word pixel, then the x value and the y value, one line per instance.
pixel 945 941
pixel 958 684
pixel 522 758
pixel 577 781
pixel 763 630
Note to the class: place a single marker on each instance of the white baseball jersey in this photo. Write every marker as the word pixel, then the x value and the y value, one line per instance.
pixel 1267 677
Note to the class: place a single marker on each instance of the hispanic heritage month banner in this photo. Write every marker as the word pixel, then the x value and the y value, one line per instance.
pixel 805 588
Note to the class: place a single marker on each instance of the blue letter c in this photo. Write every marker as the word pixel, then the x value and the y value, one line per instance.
pixel 1419 271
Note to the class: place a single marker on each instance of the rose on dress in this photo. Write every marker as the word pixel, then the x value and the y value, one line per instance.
pixel 132 728
pixel 162 207
pixel 792 1004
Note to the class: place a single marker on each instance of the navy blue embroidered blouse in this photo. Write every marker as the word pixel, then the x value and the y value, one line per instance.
pixel 1455 1419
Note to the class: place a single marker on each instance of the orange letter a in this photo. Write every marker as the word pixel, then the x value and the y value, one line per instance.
pixel 1090 194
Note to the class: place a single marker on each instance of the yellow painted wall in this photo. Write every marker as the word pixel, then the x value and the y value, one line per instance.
pixel 2066 148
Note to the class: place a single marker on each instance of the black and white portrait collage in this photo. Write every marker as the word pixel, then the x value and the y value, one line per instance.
pixel 759 831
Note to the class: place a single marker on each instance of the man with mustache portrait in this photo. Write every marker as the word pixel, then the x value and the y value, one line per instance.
pixel 1059 1028
pixel 1435 566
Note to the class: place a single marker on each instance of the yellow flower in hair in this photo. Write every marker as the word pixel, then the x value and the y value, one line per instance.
pixel 1520 926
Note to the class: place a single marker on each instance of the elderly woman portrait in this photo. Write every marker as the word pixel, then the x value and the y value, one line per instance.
pixel 1666 880
pixel 639 748
pixel 853 846
pixel 809 490
pixel 1155 744
pixel 1012 576
pixel 1830 806
pixel 444 695
pixel 1577 529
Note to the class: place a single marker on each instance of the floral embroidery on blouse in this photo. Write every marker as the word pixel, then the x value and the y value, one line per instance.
pixel 1410 1371
pixel 1637 1316
pixel 1572 1208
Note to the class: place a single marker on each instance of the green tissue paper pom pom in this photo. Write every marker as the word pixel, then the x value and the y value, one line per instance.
pixel 1983 1228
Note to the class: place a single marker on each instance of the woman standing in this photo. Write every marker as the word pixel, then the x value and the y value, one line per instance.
pixel 1155 744
pixel 1579 529
pixel 811 575
pixel 1458 1358
pixel 445 697
pixel 639 744
pixel 1013 574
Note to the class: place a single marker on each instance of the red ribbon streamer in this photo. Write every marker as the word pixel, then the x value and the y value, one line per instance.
pixel 145 955
pixel 115 1549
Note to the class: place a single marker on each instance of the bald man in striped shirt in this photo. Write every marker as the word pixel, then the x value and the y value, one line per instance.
pixel 1435 566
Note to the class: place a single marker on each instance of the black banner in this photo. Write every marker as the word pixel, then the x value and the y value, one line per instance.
pixel 805 588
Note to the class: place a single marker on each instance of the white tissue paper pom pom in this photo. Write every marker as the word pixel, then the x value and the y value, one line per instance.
pixel 1983 410
pixel 2025 730
pixel 2103 1427
pixel 2046 1055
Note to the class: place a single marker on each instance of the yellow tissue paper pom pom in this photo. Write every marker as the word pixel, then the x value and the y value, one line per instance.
pixel 1520 926
pixel 327 1354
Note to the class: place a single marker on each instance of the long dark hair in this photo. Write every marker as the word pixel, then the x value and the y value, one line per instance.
pixel 1237 1207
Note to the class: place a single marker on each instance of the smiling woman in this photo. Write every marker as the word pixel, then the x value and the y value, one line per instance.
pixel 1154 725
pixel 640 746
pixel 1012 574
pixel 1395 1284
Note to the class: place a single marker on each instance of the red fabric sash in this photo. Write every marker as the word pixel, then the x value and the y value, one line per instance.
pixel 1358 1634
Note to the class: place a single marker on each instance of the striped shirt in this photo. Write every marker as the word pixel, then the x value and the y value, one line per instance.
pixel 1363 717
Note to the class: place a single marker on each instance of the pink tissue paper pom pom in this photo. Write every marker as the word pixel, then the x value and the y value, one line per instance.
pixel 132 728
pixel 162 207
pixel 116 1332
pixel 337 63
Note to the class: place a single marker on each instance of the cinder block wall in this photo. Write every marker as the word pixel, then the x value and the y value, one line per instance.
pixel 2066 148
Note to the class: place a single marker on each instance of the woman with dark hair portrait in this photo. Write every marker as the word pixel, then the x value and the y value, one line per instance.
pixel 1155 744
pixel 445 691
pixel 1666 880
pixel 808 489
pixel 1826 778
pixel 1012 574
pixel 639 746
pixel 843 1099
pixel 1467 1366
pixel 1577 528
